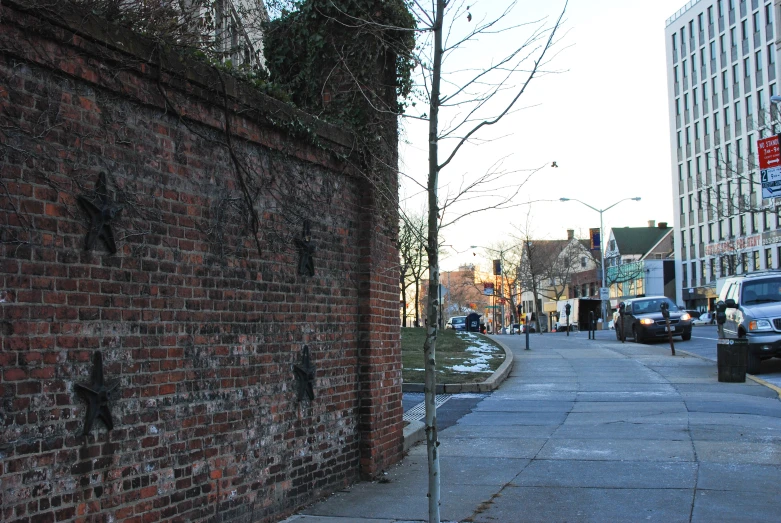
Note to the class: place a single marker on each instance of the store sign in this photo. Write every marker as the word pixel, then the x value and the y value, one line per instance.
pixel 743 243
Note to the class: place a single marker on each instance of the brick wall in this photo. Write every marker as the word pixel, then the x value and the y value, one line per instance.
pixel 198 319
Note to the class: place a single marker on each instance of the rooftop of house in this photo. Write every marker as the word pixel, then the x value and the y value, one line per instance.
pixel 639 240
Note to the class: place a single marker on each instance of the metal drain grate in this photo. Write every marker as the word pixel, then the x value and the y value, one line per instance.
pixel 418 412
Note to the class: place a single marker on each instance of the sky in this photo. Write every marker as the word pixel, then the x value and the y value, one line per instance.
pixel 601 113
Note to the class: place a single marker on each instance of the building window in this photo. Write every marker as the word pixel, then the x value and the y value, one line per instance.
pixel 768 259
pixel 583 261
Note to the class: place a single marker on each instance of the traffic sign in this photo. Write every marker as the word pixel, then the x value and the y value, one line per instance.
pixel 769 166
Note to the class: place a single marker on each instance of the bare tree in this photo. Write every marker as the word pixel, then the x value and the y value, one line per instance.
pixel 412 251
pixel 442 28
pixel 464 291
pixel 559 273
pixel 509 255
pixel 458 107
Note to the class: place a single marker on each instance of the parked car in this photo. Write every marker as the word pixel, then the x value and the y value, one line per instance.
pixel 754 312
pixel 643 320
pixel 457 323
pixel 706 318
pixel 692 312
pixel 522 328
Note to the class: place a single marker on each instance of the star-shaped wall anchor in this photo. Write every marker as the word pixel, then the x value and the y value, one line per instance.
pixel 101 212
pixel 98 395
pixel 305 375
pixel 306 250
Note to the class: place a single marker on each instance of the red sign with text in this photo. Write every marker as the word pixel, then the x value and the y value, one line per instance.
pixel 769 152
pixel 769 166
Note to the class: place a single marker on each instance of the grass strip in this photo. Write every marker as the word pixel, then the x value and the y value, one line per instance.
pixel 461 357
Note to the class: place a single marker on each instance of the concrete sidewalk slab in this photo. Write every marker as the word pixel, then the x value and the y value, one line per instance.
pixel 607 474
pixel 592 431
pixel 546 504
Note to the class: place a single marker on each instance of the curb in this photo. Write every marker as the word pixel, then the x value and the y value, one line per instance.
pixel 415 431
pixel 753 378
pixel 777 390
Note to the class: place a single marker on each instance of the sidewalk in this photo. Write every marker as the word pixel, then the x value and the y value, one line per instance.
pixel 592 431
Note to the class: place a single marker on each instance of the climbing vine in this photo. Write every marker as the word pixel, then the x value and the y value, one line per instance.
pixel 344 60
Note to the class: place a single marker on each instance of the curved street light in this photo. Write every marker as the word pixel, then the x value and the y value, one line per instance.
pixel 601 243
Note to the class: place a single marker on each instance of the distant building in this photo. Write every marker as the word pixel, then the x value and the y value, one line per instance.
pixel 462 293
pixel 721 72
pixel 548 269
pixel 639 262
pixel 237 28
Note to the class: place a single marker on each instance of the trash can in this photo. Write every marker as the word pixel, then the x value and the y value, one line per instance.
pixel 473 322
pixel 731 356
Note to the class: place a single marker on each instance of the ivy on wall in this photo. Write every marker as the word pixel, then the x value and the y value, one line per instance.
pixel 347 61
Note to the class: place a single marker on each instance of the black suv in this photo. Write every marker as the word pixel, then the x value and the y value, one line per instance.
pixel 643 320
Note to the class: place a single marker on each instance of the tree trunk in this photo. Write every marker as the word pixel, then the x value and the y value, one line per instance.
pixel 430 389
pixel 417 305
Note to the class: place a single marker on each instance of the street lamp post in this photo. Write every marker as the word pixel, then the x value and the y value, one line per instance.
pixel 601 245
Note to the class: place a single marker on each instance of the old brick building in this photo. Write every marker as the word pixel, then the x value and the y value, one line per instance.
pixel 203 313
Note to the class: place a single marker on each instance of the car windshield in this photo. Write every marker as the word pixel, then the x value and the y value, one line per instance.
pixel 762 291
pixel 649 306
pixel 458 321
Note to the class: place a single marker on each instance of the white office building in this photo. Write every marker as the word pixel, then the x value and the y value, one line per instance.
pixel 722 71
